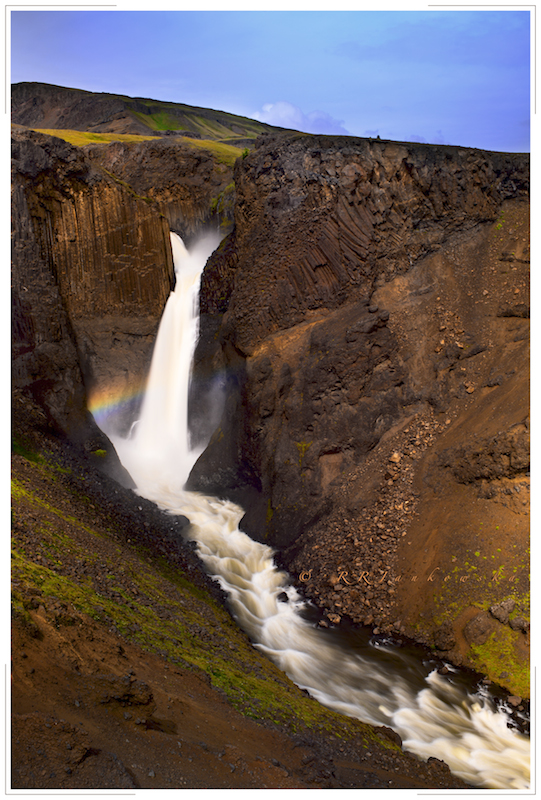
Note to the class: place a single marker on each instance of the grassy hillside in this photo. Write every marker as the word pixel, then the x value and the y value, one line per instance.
pixel 44 106
pixel 80 138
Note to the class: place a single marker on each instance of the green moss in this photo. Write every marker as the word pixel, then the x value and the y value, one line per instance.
pixel 498 655
pixel 302 447
pixel 19 492
pixel 220 204
pixel 204 640
pixel 167 614
pixel 21 448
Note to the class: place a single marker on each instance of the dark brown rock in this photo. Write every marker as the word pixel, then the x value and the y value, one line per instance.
pixel 503 456
pixel 444 637
pixel 478 629
pixel 320 224
pixel 502 610
pixel 185 182
pixel 519 624
pixel 92 269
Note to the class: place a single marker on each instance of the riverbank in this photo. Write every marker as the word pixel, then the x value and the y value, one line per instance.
pixel 122 648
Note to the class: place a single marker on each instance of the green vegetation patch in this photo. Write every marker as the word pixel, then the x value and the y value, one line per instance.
pixel 22 448
pixel 480 581
pixel 302 447
pixel 164 121
pixel 499 655
pixel 80 138
pixel 223 153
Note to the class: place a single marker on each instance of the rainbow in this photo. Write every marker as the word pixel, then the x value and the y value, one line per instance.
pixel 110 401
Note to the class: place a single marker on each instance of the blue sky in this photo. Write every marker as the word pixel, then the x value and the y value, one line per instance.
pixel 458 77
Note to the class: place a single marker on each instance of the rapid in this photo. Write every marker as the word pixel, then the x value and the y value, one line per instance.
pixel 374 680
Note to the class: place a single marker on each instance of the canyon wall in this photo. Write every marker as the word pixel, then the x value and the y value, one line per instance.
pixel 185 182
pixel 92 262
pixel 92 269
pixel 372 312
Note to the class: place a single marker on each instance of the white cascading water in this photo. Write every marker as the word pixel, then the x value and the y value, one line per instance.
pixel 437 718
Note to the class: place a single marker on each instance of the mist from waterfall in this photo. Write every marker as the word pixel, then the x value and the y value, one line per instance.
pixel 435 715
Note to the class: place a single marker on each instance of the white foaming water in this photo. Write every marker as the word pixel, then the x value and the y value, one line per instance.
pixel 441 719
pixel 158 446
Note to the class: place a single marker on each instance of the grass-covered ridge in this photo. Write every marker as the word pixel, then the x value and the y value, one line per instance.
pixel 224 153
pixel 64 104
pixel 80 138
pixel 209 123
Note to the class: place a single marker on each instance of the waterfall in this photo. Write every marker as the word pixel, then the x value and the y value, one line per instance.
pixel 158 448
pixel 434 714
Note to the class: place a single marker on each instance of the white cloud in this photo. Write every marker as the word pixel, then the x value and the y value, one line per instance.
pixel 286 115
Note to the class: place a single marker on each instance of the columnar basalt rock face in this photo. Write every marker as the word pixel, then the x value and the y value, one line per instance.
pixel 92 269
pixel 363 311
pixel 183 181
pixel 369 317
pixel 343 214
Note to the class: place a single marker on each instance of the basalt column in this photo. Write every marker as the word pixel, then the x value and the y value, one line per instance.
pixel 92 269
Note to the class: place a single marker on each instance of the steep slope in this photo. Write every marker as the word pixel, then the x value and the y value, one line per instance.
pixel 42 105
pixel 372 311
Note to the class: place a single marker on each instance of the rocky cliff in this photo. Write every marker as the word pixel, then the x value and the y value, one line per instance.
pixel 188 185
pixel 372 311
pixel 92 263
pixel 92 269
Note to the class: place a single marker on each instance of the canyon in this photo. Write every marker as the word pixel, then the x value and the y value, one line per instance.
pixel 367 312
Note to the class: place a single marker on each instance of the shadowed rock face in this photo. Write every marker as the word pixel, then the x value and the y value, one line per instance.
pixel 326 218
pixel 321 226
pixel 92 269
pixel 361 310
pixel 184 182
